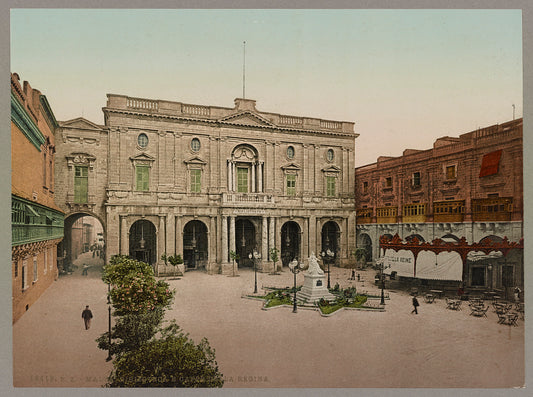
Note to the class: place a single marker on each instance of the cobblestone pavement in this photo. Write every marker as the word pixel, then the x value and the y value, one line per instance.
pixel 277 348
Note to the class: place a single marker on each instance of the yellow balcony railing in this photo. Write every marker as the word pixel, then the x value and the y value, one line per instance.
pixel 448 211
pixel 386 214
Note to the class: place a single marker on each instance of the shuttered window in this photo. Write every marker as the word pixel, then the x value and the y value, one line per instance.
pixel 242 180
pixel 196 177
pixel 291 185
pixel 142 177
pixel 80 184
pixel 330 187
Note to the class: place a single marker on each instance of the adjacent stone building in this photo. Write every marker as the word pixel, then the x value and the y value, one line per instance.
pixel 470 186
pixel 204 181
pixel 36 222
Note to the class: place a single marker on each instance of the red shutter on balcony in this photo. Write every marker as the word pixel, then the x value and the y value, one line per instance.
pixel 490 163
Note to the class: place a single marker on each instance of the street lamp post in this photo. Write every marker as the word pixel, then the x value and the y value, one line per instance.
pixel 255 256
pixel 330 254
pixel 382 277
pixel 295 268
pixel 490 275
pixel 109 322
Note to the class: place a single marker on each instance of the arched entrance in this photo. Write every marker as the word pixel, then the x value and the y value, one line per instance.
pixel 83 243
pixel 195 245
pixel 290 242
pixel 330 237
pixel 143 241
pixel 244 241
pixel 366 244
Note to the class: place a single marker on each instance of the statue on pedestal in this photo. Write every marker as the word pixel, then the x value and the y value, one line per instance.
pixel 314 268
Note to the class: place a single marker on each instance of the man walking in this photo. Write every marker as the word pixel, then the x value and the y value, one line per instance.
pixel 87 315
pixel 415 305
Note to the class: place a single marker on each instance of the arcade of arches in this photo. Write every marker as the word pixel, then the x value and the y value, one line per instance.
pixel 147 238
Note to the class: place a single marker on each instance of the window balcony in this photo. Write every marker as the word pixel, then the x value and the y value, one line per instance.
pixel 415 213
pixel 386 214
pixel 449 211
pixel 24 234
pixel 492 209
pixel 244 198
pixel 364 215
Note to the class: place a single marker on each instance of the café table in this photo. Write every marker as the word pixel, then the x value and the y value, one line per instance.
pixel 429 298
pixel 453 304
pixel 479 311
pixel 509 318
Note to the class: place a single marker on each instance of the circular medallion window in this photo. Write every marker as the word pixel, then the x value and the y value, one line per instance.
pixel 290 152
pixel 330 155
pixel 142 140
pixel 195 144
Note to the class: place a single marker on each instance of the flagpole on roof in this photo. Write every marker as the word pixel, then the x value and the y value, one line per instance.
pixel 244 71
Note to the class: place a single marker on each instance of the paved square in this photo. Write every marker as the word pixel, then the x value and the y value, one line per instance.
pixel 277 348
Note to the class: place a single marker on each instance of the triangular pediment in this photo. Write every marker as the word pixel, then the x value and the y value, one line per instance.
pixel 80 123
pixel 247 118
pixel 142 157
pixel 195 160
pixel 331 168
pixel 291 167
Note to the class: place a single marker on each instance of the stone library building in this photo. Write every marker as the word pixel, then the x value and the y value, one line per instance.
pixel 165 177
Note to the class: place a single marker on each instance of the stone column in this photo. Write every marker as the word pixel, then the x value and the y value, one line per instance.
pixel 277 232
pixel 161 238
pixel 233 175
pixel 260 177
pixel 345 242
pixel 124 241
pixel 316 181
pixel 229 166
pixel 232 234
pixel 271 234
pixel 343 177
pixel 170 234
pixel 254 164
pixel 224 239
pixel 179 236
pixel 305 168
pixel 312 236
pixel 305 240
pixel 264 241
pixel 212 241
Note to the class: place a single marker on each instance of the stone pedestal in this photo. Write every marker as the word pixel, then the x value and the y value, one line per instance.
pixel 314 288
pixel 227 269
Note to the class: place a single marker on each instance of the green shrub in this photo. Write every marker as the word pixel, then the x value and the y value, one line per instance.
pixel 172 361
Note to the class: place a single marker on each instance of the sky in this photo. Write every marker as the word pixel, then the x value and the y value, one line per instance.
pixel 404 77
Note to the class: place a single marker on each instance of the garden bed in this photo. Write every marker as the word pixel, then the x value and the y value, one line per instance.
pixel 345 299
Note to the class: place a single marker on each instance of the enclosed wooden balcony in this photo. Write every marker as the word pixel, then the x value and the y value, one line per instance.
pixel 448 211
pixel 386 214
pixel 415 213
pixel 364 215
pixel 492 209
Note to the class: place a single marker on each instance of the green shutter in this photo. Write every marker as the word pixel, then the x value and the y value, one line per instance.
pixel 142 176
pixel 80 184
pixel 196 177
pixel 330 187
pixel 291 185
pixel 242 180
